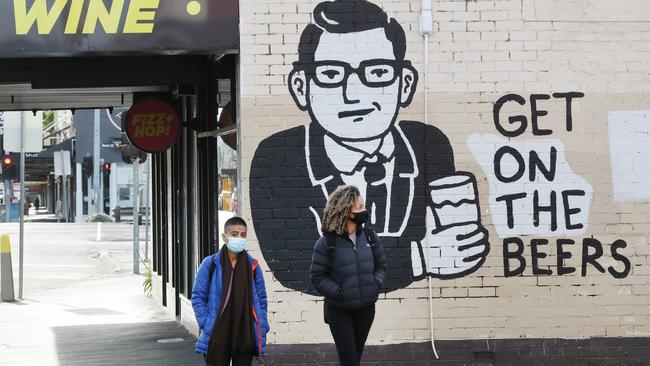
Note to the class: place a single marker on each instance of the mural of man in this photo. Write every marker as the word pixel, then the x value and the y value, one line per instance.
pixel 352 78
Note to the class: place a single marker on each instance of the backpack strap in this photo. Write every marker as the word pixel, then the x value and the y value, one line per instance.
pixel 331 242
pixel 212 267
pixel 371 236
pixel 372 241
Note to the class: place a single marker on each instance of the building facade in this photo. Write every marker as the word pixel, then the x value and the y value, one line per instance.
pixel 500 145
pixel 527 119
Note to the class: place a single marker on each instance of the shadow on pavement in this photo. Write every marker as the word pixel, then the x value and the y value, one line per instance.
pixel 125 344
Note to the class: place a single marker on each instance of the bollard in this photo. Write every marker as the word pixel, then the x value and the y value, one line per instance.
pixel 99 232
pixel 6 271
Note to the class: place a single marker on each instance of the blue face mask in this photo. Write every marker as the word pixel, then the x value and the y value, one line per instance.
pixel 236 245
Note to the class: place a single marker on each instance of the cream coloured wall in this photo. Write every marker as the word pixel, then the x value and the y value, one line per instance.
pixel 479 52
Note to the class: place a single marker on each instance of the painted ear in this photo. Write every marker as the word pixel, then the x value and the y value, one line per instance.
pixel 298 88
pixel 408 85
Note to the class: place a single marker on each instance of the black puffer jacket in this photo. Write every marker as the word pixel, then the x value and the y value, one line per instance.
pixel 349 277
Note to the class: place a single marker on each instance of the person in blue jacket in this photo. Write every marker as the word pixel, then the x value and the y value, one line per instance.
pixel 229 301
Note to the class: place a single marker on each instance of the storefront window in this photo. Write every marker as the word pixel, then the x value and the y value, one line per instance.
pixel 125 194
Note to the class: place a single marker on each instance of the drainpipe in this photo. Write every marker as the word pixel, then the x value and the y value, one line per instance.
pixel 426 27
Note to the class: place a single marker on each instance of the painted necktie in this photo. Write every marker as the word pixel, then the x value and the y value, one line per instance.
pixel 376 193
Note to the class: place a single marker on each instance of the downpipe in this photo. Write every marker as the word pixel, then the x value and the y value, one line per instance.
pixel 426 28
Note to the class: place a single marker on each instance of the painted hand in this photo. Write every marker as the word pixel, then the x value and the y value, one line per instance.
pixel 455 251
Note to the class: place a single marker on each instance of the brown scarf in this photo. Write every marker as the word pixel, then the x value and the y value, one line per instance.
pixel 232 333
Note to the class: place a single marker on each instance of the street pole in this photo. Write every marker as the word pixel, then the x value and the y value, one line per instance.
pixel 8 194
pixel 21 204
pixel 148 207
pixel 136 211
pixel 64 183
pixel 113 187
pixel 79 209
pixel 101 188
pixel 89 193
pixel 96 172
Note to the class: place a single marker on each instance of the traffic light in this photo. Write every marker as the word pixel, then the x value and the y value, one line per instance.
pixel 9 169
pixel 106 168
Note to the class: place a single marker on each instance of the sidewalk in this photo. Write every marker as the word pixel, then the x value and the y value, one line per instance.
pixel 106 321
pixel 40 215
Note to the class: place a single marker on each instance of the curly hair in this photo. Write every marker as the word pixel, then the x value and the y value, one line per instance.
pixel 337 208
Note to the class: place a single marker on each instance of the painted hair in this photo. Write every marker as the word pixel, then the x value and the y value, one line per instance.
pixel 347 16
pixel 337 208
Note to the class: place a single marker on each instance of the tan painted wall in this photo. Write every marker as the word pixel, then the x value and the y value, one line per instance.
pixel 480 51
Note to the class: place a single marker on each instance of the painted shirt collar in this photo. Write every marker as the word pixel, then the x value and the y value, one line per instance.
pixel 346 156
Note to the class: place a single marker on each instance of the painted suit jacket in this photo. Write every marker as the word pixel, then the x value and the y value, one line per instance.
pixel 291 177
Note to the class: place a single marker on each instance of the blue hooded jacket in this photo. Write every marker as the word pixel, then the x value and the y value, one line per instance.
pixel 206 298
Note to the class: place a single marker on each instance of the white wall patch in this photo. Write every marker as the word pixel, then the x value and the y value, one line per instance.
pixel 629 149
pixel 533 190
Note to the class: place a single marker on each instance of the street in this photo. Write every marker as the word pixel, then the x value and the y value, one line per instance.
pixel 82 305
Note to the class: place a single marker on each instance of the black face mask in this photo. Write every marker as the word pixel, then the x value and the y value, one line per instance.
pixel 360 218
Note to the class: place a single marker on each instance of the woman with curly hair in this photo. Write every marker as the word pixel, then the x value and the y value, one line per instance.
pixel 348 269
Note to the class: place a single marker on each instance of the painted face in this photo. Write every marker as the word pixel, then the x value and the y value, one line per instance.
pixel 354 89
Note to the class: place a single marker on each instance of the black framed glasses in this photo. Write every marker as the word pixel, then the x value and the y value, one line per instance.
pixel 376 73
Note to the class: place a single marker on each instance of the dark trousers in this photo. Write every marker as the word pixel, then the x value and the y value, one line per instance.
pixel 245 359
pixel 350 330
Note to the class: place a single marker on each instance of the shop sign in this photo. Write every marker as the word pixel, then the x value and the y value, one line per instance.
pixel 49 27
pixel 152 125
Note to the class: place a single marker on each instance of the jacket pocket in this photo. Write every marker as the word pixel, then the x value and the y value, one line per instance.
pixel 339 293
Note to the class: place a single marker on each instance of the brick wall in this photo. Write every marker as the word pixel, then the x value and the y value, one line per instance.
pixel 481 51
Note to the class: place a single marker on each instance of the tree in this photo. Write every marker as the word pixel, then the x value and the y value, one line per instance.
pixel 49 118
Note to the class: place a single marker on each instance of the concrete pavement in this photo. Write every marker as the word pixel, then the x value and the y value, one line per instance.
pixel 59 254
pixel 82 305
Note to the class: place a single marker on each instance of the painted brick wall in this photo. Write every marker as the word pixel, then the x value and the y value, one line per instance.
pixel 481 51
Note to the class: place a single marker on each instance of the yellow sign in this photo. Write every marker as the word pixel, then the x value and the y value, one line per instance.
pixel 138 15
pixel 153 124
pixel 52 28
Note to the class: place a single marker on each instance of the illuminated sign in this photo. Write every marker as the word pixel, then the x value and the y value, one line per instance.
pixel 35 27
pixel 152 125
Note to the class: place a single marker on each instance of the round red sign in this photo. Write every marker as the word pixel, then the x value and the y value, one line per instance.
pixel 152 125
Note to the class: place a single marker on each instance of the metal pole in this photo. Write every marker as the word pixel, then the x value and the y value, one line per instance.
pixel 79 199
pixel 96 167
pixel 89 194
pixel 136 211
pixel 113 187
pixel 148 207
pixel 8 194
pixel 64 183
pixel 101 188
pixel 21 204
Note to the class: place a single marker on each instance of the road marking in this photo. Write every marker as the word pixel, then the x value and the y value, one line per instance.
pixel 171 340
pixel 61 265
